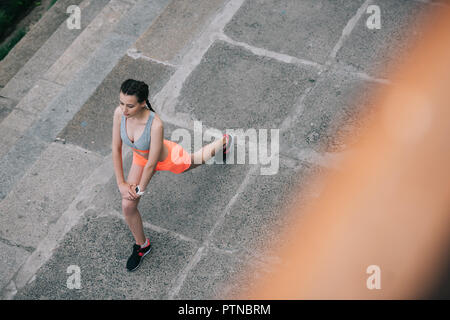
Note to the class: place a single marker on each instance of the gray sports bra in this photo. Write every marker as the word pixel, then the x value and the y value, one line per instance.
pixel 143 143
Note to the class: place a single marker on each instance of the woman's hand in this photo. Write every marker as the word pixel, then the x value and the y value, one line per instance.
pixel 128 191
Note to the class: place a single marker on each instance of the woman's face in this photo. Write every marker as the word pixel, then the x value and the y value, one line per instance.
pixel 129 105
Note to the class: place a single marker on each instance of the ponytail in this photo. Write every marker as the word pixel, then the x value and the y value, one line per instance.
pixel 149 106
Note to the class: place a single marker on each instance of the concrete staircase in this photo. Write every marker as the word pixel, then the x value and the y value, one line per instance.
pixel 42 76
pixel 49 79
pixel 45 80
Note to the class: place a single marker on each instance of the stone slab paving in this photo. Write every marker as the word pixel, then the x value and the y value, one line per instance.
pixel 100 246
pixel 24 114
pixel 304 29
pixel 233 88
pixel 374 50
pixel 11 257
pixel 34 204
pixel 6 106
pixel 260 211
pixel 220 275
pixel 237 254
pixel 176 28
pixel 332 110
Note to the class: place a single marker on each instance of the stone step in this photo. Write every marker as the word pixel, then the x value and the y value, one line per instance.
pixel 19 85
pixel 33 40
pixel 54 114
pixel 79 52
pixel 39 174
pixel 35 203
pixel 23 115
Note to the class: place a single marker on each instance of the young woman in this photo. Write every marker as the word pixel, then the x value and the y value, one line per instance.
pixel 137 125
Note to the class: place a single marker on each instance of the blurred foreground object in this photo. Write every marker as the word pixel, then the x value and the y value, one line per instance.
pixel 389 206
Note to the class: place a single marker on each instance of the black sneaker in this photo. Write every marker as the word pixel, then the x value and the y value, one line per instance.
pixel 136 257
pixel 227 147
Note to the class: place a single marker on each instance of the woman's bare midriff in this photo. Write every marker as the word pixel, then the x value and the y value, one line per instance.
pixel 164 151
pixel 162 156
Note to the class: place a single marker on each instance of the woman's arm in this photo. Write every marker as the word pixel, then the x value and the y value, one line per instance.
pixel 116 147
pixel 118 167
pixel 156 144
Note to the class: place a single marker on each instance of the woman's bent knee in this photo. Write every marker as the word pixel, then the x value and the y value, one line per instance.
pixel 129 206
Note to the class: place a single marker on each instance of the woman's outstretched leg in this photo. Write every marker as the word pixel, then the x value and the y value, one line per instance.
pixel 205 153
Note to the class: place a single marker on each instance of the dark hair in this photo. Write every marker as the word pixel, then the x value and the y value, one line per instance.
pixel 136 88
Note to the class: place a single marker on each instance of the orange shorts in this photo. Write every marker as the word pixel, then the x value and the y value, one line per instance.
pixel 178 160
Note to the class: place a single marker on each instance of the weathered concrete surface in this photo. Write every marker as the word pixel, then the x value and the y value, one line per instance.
pixel 260 212
pixel 6 105
pixel 47 54
pixel 331 114
pixel 232 88
pixel 175 28
pixel 100 246
pixel 220 275
pixel 60 110
pixel 304 29
pixel 34 39
pixel 38 199
pixel 11 257
pixel 241 64
pixel 374 51
pixel 79 52
pixel 25 113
